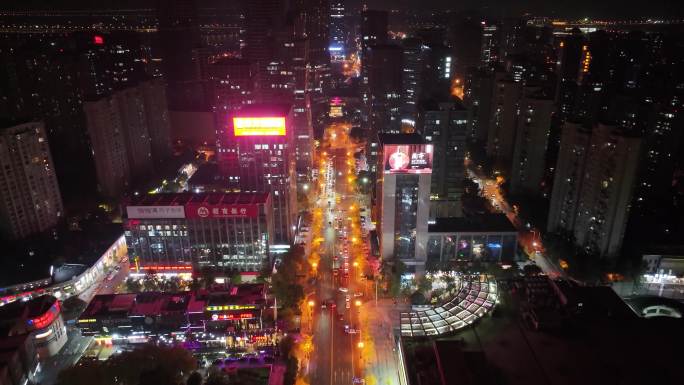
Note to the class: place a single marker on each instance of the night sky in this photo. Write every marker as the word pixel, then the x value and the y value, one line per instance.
pixel 559 8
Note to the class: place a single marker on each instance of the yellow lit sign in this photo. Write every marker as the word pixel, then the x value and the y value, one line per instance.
pixel 262 126
pixel 230 307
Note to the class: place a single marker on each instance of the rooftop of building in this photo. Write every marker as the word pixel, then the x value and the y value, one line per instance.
pixel 181 199
pixel 158 303
pixel 450 103
pixel 30 259
pixel 497 223
pixel 412 138
pixel 206 174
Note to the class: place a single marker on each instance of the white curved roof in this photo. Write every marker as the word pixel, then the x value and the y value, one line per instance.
pixel 475 297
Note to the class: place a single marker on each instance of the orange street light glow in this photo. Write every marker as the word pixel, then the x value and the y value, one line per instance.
pixel 357 303
pixel 263 126
pixel 311 303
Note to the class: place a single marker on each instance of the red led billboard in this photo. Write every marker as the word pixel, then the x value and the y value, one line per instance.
pixel 407 158
pixel 203 210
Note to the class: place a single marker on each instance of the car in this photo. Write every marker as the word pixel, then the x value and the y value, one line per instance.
pixel 343 289
pixel 323 306
pixel 332 304
pixel 358 294
pixel 347 305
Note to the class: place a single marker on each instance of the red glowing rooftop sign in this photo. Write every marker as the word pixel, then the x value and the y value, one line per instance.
pixel 259 126
pixel 99 40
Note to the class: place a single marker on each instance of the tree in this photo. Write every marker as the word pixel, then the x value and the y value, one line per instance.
pixel 172 284
pixel 150 282
pixel 194 379
pixel 133 285
pixel 146 365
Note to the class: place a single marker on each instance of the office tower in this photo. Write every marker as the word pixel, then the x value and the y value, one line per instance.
pixel 383 65
pixel 373 28
pixel 135 132
pixel 30 201
pixel 413 60
pixel 531 142
pixel 464 35
pixel 178 35
pixel 157 119
pixel 593 186
pixel 108 144
pixel 502 122
pixel 318 31
pixel 255 154
pixel 480 90
pixel 443 125
pixel 404 198
pixel 232 83
pixel 490 51
pixel 338 31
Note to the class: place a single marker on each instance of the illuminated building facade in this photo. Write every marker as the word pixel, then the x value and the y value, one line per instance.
pixel 256 155
pixel 233 315
pixel 489 237
pixel 404 198
pixel 180 232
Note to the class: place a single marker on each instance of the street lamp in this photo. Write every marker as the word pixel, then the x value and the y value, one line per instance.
pixel 357 302
pixel 360 345
pixel 311 303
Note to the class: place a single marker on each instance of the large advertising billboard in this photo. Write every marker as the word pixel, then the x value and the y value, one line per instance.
pixel 259 126
pixel 203 210
pixel 155 212
pixel 407 158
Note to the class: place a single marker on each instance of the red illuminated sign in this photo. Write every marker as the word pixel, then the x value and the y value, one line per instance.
pixel 201 210
pixel 259 126
pixel 169 268
pixel 47 318
pixel 230 317
pixel 99 40
pixel 413 158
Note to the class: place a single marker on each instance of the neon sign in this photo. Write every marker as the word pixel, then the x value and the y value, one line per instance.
pixel 229 317
pixel 99 40
pixel 47 318
pixel 262 126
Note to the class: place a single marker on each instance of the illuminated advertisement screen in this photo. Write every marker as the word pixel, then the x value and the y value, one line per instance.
pixel 202 210
pixel 259 126
pixel 407 158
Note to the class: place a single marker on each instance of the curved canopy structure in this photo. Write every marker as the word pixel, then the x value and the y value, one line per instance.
pixel 474 298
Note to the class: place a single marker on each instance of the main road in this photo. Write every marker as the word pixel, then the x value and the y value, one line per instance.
pixel 334 360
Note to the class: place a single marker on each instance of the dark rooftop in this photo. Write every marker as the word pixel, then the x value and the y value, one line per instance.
pixel 412 138
pixel 181 199
pixel 480 223
pixel 30 260
pixel 264 110
pixel 206 174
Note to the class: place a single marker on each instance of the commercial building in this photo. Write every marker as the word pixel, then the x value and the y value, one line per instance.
pixel 373 28
pixel 256 155
pixel 41 319
pixel 531 142
pixel 233 315
pixel 30 201
pixel 487 238
pixel 413 60
pixel 231 231
pixel 592 190
pixel 444 126
pixel 404 198
pixel 338 31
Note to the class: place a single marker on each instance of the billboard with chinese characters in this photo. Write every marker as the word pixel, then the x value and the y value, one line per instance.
pixel 259 126
pixel 155 212
pixel 203 210
pixel 407 158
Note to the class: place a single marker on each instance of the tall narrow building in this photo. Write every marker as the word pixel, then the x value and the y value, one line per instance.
pixel 531 142
pixel 443 125
pixel 256 155
pixel 30 201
